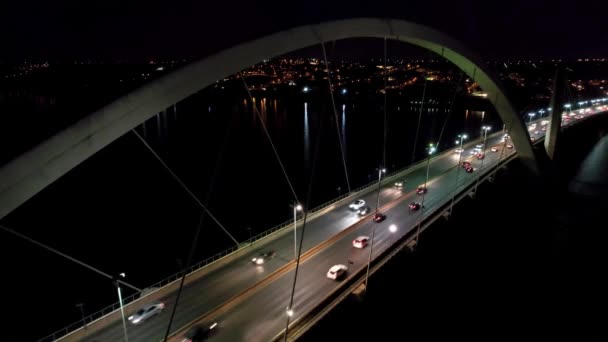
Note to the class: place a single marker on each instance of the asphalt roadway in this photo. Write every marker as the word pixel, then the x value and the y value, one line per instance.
pixel 261 315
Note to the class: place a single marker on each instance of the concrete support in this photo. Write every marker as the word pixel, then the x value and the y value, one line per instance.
pixel 557 105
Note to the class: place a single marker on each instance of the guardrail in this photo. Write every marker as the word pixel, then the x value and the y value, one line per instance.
pixel 301 324
pixel 194 268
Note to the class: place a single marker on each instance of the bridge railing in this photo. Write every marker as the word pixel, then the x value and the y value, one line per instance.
pixel 194 268
pixel 389 177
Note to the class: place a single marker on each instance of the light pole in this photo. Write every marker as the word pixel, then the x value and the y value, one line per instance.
pixel 462 137
pixel 485 130
pixel 248 229
pixel 531 115
pixel 432 150
pixel 81 307
pixel 381 170
pixel 296 207
pixel 122 310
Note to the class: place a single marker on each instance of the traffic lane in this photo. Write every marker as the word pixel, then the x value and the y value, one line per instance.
pixel 312 283
pixel 231 280
pixel 238 274
pixel 194 302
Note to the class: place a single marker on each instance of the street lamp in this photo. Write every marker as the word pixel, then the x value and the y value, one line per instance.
pixel 296 207
pixel 531 115
pixel 122 310
pixel 462 137
pixel 485 130
pixel 431 150
pixel 381 171
pixel 84 323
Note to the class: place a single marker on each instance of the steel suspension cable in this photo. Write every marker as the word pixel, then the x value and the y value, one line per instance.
pixel 183 269
pixel 426 80
pixel 53 250
pixel 274 149
pixel 450 110
pixel 333 106
pixel 183 185
pixel 380 172
pixel 384 128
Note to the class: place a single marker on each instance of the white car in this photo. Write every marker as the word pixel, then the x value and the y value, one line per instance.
pixel 360 241
pixel 336 271
pixel 356 205
pixel 146 312
pixel 494 149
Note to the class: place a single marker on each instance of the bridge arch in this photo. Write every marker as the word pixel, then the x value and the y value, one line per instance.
pixel 31 172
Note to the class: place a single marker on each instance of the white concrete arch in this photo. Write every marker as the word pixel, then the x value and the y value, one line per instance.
pixel 31 172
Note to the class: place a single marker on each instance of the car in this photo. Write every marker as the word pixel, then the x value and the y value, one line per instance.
pixel 544 128
pixel 509 146
pixel 399 184
pixel 337 271
pixel 360 241
pixel 263 257
pixel 421 190
pixel 466 164
pixel 364 210
pixel 537 132
pixel 532 139
pixel 494 149
pixel 379 217
pixel 414 206
pixel 469 169
pixel 146 312
pixel 458 150
pixel 480 156
pixel 356 205
pixel 200 332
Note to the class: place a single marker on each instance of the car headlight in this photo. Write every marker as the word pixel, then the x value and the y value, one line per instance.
pixel 130 318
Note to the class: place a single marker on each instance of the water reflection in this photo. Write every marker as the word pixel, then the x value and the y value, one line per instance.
pixel 306 135
pixel 344 126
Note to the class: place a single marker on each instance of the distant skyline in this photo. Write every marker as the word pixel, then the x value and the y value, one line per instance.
pixel 114 29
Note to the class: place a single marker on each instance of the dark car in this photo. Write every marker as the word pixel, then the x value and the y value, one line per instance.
pixel 466 164
pixel 262 258
pixel 199 333
pixel 414 206
pixel 379 217
pixel 421 190
pixel 469 169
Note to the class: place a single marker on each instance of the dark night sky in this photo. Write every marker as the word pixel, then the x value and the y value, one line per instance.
pixel 140 29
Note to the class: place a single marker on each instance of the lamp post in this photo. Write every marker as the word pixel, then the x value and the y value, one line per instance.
pixel 485 130
pixel 462 137
pixel 296 207
pixel 432 149
pixel 81 307
pixel 122 310
pixel 531 115
pixel 381 171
